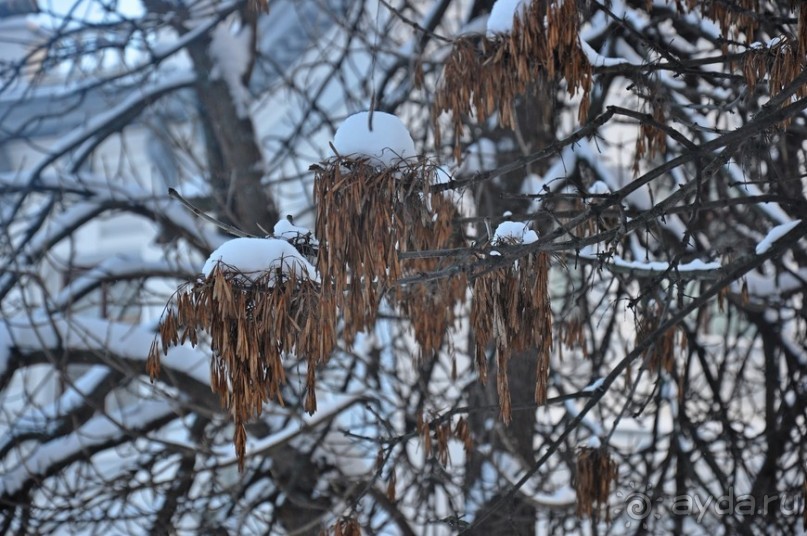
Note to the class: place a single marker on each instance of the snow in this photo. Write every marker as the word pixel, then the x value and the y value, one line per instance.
pixel 286 230
pixel 598 60
pixel 81 333
pixel 231 55
pixel 616 261
pixel 118 267
pixel 593 386
pixel 765 286
pixel 768 44
pixel 599 188
pixel 514 231
pixel 258 256
pixel 99 430
pixel 775 234
pixel 386 141
pixel 46 419
pixel 147 93
pixel 501 16
pixel 327 410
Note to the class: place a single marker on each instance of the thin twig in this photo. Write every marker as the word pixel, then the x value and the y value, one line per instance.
pixel 220 224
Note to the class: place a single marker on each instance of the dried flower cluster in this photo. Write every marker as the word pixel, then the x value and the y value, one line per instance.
pixel 365 216
pixel 487 77
pixel 252 324
pixel 511 308
pixel 593 477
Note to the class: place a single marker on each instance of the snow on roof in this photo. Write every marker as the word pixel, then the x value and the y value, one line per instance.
pixel 509 232
pixel 386 141
pixel 501 16
pixel 258 256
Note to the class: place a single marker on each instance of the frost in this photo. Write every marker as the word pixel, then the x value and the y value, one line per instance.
pixel 257 256
pixel 775 234
pixel 502 15
pixel 509 232
pixel 386 141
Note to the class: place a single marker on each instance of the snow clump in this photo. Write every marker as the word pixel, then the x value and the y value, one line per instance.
pixel 385 144
pixel 514 232
pixel 501 16
pixel 285 229
pixel 254 257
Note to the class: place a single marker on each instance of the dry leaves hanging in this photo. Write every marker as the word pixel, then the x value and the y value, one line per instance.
pixel 781 61
pixel 487 77
pixel 595 473
pixel 430 306
pixel 511 307
pixel 661 354
pixel 366 215
pixel 252 323
pixel 347 526
pixel 438 433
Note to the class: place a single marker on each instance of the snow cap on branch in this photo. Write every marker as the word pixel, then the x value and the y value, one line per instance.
pixel 287 230
pixel 382 137
pixel 501 16
pixel 514 232
pixel 256 256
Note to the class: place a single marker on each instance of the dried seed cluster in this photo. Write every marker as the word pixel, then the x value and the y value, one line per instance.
pixel 732 19
pixel 781 63
pixel 572 335
pixel 346 526
pixel 652 140
pixel 742 17
pixel 661 354
pixel 437 438
pixel 430 306
pixel 487 77
pixel 252 324
pixel 511 307
pixel 365 216
pixel 595 473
